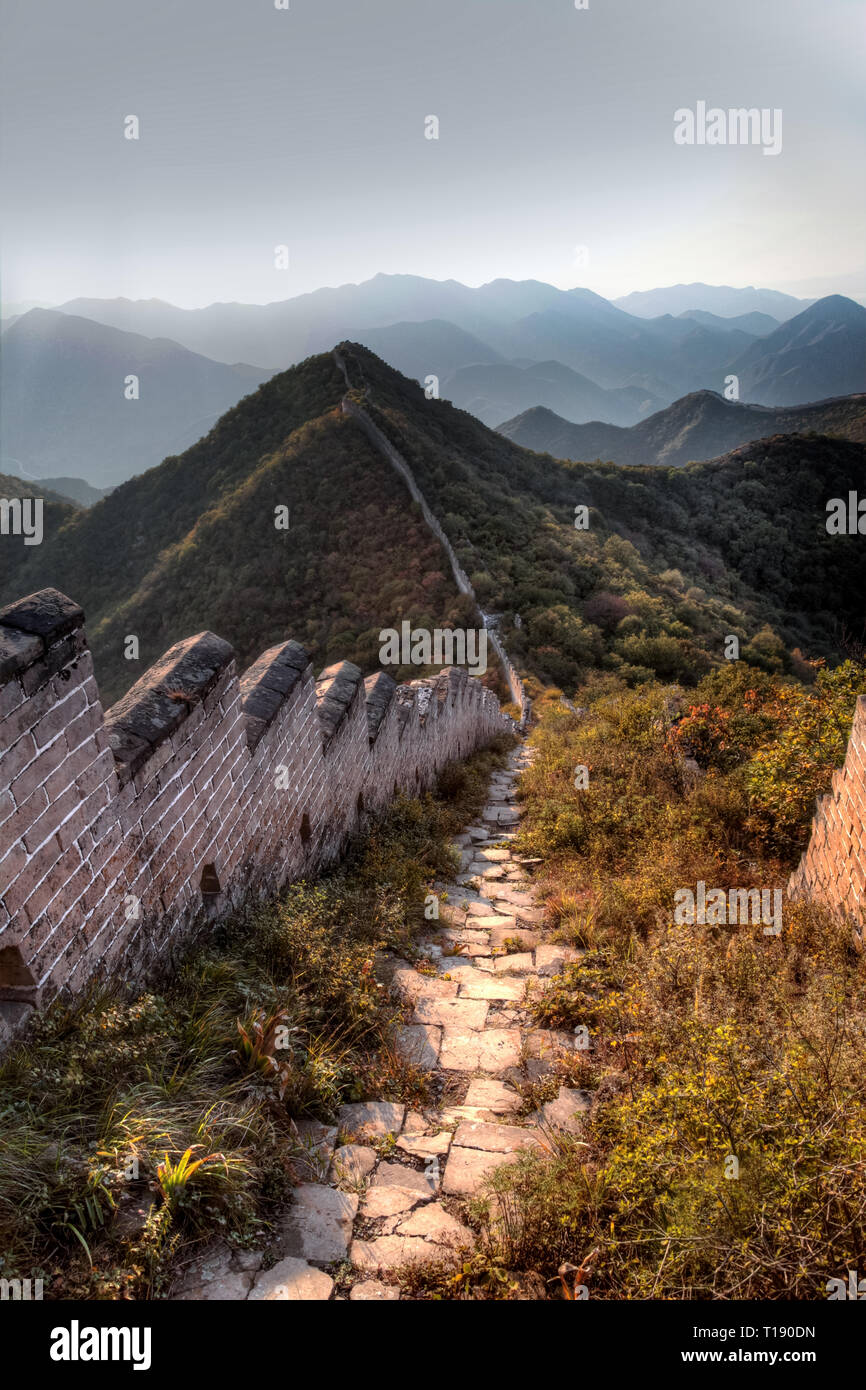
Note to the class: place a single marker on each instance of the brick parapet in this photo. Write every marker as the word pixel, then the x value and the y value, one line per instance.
pixel 122 832
pixel 833 868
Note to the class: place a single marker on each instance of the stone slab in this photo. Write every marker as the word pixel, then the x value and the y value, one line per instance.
pixel 389 1252
pixel 415 1123
pixel 488 1094
pixel 217 1274
pixel 472 950
pixel 434 1223
pixel 318 1225
pixel 548 1043
pixel 565 1112
pixel 411 984
pixel 291 1281
pixel 468 1169
pixel 490 1051
pixel 551 958
pixel 520 963
pixel 497 922
pixel 402 1176
pixel 467 1015
pixel 509 894
pixel 509 931
pixel 463 936
pixel 460 967
pixel 425 1145
pixel 500 815
pixel 373 1291
pixel 491 988
pixel 373 1118
pixel 352 1164
pixel 389 1201
pixel 419 1043
pixel 494 1138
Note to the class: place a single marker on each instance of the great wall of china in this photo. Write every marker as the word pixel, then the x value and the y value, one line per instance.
pixel 123 832
pixel 833 868
pixel 120 832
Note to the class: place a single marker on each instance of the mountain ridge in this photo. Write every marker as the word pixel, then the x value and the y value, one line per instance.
pixel 697 427
pixel 724 300
pixel 497 350
pixel 820 351
pixel 66 411
pixel 501 314
pixel 666 564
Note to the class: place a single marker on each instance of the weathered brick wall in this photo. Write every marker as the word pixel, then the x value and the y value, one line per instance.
pixel 121 832
pixel 833 868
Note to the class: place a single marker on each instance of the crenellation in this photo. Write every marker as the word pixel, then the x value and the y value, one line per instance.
pixel 337 689
pixel 267 685
pixel 379 692
pixel 115 827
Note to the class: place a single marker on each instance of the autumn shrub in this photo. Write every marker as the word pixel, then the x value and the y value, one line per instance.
pixel 786 774
pixel 724 1155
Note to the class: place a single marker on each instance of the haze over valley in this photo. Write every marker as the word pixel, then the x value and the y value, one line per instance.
pixel 498 351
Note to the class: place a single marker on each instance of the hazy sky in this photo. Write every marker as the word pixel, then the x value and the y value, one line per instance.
pixel 306 127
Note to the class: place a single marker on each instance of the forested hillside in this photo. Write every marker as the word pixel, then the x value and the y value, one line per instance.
pixel 672 562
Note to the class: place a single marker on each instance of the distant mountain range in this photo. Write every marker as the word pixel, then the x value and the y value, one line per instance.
pixel 287 331
pixel 758 324
pixel 721 300
pixel 700 426
pixel 425 327
pixel 74 490
pixel 431 347
pixel 818 353
pixel 63 491
pixel 56 504
pixel 497 351
pixel 821 352
pixel 64 407
pixel 484 391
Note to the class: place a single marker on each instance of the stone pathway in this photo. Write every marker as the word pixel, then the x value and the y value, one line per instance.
pixel 386 1186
